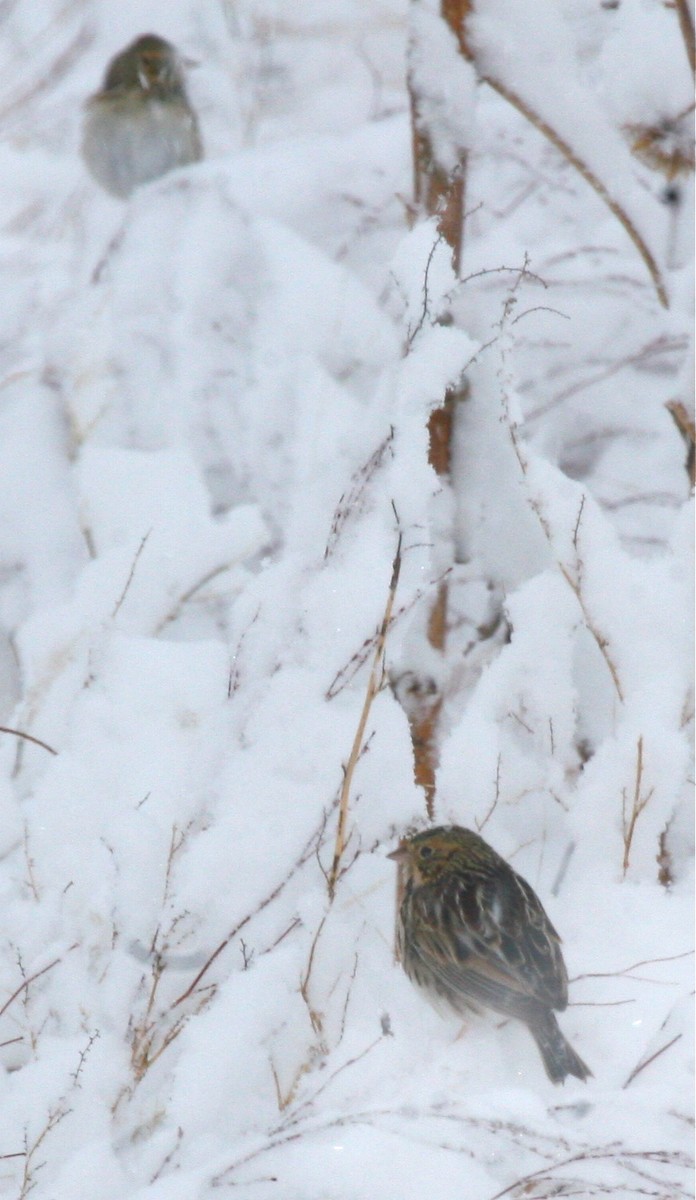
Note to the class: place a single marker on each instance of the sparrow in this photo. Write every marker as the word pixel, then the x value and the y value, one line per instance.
pixel 140 124
pixel 472 934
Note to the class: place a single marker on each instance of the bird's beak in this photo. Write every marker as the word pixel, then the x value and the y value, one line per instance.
pixel 399 854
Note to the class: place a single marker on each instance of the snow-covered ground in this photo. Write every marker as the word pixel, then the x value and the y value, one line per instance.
pixel 213 406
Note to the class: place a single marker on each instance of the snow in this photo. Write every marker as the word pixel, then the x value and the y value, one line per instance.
pixel 213 432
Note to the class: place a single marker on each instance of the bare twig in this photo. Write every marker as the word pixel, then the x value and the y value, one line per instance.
pixel 601 640
pixel 641 1066
pixel 75 1076
pixel 496 797
pixel 184 598
pixel 233 677
pixel 625 971
pixel 54 1118
pixel 522 1185
pixel 168 1157
pixel 29 738
pixel 314 1016
pixel 351 501
pixel 425 309
pixel 131 573
pixel 306 853
pixel 573 579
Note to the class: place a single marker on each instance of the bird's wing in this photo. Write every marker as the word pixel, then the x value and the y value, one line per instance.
pixel 490 940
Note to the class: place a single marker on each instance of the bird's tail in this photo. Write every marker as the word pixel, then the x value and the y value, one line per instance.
pixel 557 1054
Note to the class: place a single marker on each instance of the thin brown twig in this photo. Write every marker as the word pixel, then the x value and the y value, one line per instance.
pixel 31 978
pixel 638 804
pixel 184 598
pixel 574 583
pixel 494 803
pixel 641 1066
pixel 349 670
pixel 29 738
pixel 600 639
pixel 644 962
pixel 589 1156
pixel 314 1016
pixel 131 573
pixel 305 854
pixel 350 503
pixel 655 349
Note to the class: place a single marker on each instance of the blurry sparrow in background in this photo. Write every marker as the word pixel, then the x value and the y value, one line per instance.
pixel 140 125
pixel 472 934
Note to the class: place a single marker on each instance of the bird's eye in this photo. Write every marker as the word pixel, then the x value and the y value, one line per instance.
pixel 425 851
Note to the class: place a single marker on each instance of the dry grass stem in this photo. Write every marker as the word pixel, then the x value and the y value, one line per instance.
pixel 374 685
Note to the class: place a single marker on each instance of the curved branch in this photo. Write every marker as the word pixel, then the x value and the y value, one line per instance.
pixel 29 738
pixel 588 175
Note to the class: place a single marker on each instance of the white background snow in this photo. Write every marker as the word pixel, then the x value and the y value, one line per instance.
pixel 213 406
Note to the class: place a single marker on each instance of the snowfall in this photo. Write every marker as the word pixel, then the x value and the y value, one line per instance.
pixel 213 438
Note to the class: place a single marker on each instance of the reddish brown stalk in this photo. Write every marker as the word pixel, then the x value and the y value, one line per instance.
pixel 686 24
pixel 439 192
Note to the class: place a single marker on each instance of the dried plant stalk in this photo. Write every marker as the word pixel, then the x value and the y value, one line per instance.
pixel 374 684
pixel 686 24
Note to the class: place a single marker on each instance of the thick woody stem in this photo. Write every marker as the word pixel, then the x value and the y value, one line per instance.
pixel 439 192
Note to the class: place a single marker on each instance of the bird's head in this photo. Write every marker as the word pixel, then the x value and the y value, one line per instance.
pixel 150 64
pixel 426 857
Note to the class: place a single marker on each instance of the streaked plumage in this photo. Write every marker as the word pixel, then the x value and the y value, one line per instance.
pixel 140 124
pixel 472 933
